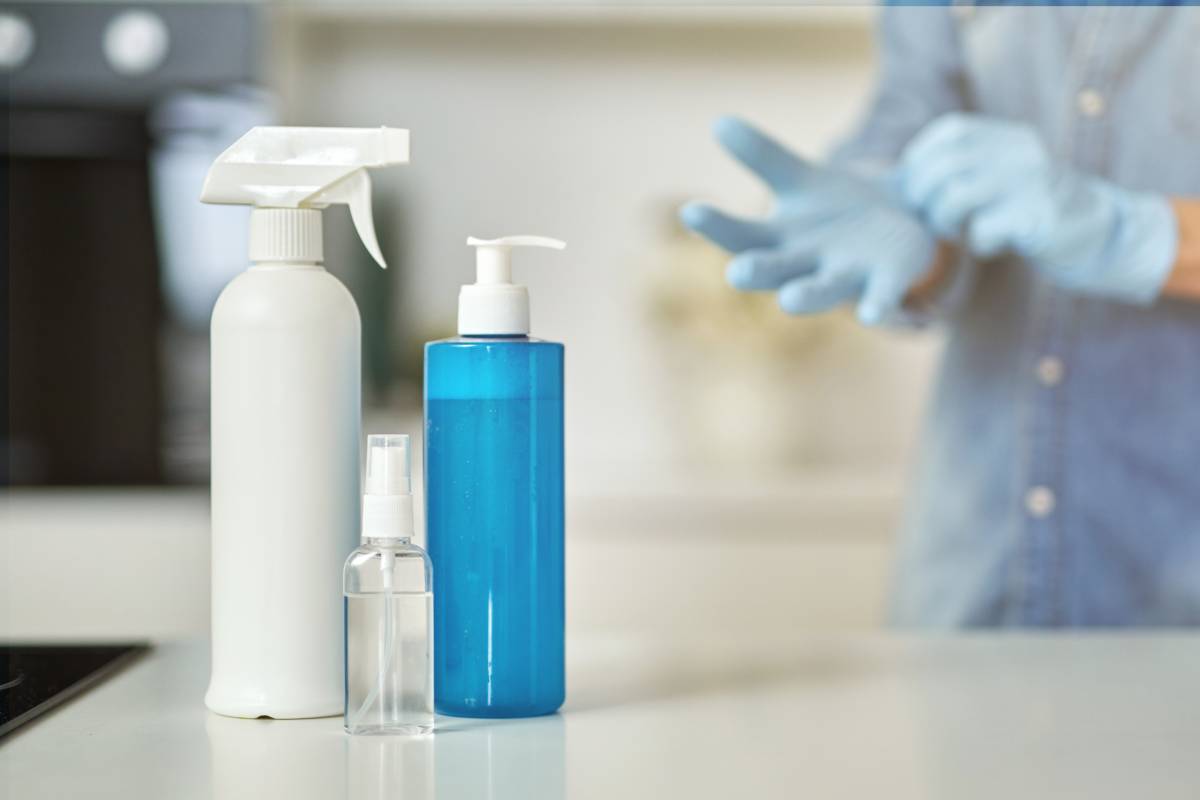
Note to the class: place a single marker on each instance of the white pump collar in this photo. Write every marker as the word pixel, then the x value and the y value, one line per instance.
pixel 494 305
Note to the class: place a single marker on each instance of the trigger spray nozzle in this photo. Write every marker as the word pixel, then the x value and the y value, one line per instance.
pixel 289 174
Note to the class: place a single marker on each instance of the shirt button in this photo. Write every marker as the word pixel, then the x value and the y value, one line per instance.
pixel 1039 501
pixel 1091 103
pixel 1049 370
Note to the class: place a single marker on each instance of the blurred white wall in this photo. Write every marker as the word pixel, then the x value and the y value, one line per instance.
pixel 727 467
pixel 595 129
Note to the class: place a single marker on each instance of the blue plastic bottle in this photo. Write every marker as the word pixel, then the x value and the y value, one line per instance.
pixel 494 488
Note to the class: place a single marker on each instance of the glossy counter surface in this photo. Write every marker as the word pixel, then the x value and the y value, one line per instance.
pixel 975 716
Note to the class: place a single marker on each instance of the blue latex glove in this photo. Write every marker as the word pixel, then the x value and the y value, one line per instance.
pixel 993 184
pixel 831 238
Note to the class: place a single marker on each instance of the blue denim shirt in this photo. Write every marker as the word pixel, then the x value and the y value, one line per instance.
pixel 1059 477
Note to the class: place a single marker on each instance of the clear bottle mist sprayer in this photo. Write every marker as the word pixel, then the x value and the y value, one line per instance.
pixel 388 590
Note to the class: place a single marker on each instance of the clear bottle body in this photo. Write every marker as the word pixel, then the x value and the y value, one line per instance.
pixel 388 602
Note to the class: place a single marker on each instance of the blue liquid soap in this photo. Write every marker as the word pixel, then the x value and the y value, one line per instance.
pixel 494 483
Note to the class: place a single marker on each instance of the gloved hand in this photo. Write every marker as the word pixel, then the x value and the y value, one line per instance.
pixel 992 184
pixel 831 238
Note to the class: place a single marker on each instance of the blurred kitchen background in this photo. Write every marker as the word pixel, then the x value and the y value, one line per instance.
pixel 727 465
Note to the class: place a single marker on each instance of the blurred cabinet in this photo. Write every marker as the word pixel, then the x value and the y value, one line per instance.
pixel 83 401
pixel 83 389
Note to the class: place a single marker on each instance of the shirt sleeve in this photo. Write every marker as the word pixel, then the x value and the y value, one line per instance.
pixel 920 77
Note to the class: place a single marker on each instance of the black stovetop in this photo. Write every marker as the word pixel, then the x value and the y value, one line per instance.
pixel 36 677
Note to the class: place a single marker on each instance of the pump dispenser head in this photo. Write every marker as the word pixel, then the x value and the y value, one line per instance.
pixel 387 498
pixel 494 305
pixel 289 174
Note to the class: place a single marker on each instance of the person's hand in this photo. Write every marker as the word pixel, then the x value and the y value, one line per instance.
pixel 993 185
pixel 831 238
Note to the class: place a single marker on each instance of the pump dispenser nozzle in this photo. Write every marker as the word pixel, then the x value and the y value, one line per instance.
pixel 494 305
pixel 288 174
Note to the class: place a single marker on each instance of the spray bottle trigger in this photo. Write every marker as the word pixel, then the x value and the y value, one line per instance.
pixel 355 191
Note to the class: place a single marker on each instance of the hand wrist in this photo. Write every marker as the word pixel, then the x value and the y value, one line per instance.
pixel 940 274
pixel 1184 277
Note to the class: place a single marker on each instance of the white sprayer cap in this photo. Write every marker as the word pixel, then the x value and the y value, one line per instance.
pixel 494 305
pixel 387 492
pixel 286 173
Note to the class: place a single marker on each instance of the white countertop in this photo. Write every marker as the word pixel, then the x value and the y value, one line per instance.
pixel 979 716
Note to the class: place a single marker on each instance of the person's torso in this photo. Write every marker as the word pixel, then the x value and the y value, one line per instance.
pixel 1056 484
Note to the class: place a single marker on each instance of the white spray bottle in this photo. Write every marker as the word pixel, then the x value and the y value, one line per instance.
pixel 286 420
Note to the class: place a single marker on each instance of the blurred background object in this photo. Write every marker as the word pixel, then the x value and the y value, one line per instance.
pixel 709 437
pixel 96 245
pixel 201 248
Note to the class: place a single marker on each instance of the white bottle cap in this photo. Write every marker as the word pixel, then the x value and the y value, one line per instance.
pixel 494 305
pixel 286 235
pixel 387 498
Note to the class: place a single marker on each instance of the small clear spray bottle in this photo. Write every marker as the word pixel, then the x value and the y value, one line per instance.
pixel 388 601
